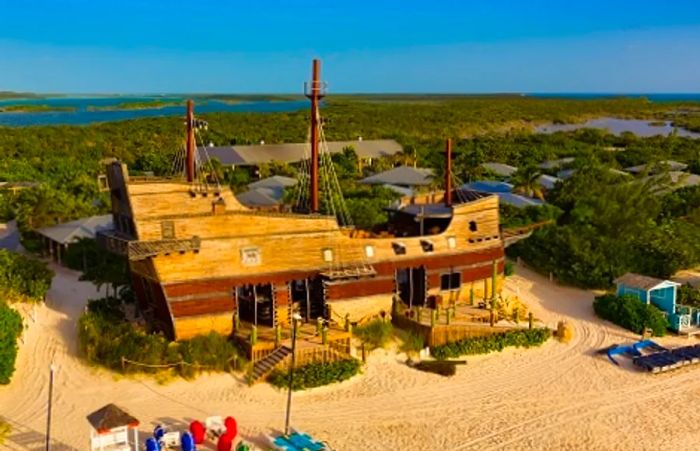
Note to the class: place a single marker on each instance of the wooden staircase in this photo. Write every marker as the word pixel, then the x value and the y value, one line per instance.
pixel 264 366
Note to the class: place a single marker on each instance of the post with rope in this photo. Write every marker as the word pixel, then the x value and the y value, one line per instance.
pixel 190 141
pixel 448 172
pixel 314 92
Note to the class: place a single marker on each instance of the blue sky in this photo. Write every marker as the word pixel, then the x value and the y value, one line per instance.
pixel 133 46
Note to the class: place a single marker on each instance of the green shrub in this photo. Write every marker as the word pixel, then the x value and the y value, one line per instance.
pixel 108 308
pixel 508 269
pixel 10 330
pixel 105 338
pixel 689 295
pixel 24 275
pixel 316 374
pixel 632 314
pixel 524 338
pixel 376 333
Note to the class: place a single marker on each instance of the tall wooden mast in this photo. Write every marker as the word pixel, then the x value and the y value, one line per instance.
pixel 189 161
pixel 448 172
pixel 314 92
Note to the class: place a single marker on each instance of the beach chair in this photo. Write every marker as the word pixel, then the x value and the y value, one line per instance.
pixel 159 431
pixel 302 438
pixel 215 426
pixel 170 440
pixel 280 443
pixel 152 444
pixel 187 442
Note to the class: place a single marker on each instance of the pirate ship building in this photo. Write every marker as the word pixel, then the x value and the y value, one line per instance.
pixel 201 261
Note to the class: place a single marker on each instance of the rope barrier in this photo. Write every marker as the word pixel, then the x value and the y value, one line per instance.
pixel 181 363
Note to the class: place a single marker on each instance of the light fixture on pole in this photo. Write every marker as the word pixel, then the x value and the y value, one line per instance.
pixel 52 370
pixel 295 321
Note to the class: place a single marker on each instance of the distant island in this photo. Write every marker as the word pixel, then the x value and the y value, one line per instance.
pixel 34 108
pixel 138 105
pixel 18 95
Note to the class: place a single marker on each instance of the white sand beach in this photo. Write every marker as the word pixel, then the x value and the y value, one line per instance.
pixel 559 396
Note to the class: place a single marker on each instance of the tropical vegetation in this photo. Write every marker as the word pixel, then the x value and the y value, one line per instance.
pixel 316 374
pixel 107 339
pixel 521 338
pixel 376 333
pixel 23 277
pixel 10 330
pixel 632 314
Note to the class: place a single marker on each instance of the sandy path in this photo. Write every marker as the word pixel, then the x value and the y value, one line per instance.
pixel 554 397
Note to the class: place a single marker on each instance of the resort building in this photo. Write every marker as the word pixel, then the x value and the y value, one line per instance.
pixel 505 193
pixel 57 239
pixel 266 193
pixel 662 294
pixel 500 169
pixel 655 168
pixel 252 156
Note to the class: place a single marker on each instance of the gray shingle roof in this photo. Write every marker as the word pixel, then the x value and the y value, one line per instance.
pixel 82 228
pixel 517 200
pixel 638 281
pixel 260 197
pixel 554 164
pixel 655 167
pixel 500 169
pixel 276 181
pixel 548 181
pixel 401 176
pixel 249 155
pixel 678 180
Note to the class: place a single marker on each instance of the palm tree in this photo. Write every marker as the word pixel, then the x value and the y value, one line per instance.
pixel 526 180
pixel 406 157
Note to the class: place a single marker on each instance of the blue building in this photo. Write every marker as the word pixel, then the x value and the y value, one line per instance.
pixel 662 294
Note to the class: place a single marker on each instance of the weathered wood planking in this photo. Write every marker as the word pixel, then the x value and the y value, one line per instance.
pixel 202 306
pixel 356 288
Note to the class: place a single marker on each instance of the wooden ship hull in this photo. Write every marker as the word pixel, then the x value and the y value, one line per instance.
pixel 197 261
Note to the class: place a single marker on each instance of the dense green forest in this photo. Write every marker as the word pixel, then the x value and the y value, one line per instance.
pixel 604 224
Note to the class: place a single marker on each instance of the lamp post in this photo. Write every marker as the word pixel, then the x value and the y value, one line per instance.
pixel 52 371
pixel 295 320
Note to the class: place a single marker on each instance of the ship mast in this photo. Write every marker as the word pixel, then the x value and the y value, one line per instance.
pixel 314 91
pixel 190 141
pixel 448 172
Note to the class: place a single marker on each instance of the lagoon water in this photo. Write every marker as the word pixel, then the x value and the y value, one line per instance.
pixel 83 115
pixel 639 127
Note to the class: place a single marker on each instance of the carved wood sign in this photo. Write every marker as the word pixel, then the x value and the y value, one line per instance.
pixel 250 256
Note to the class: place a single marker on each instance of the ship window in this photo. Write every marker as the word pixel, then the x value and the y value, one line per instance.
pixel 427 245
pixel 399 248
pixel 451 281
pixel 472 226
pixel 451 242
pixel 327 255
pixel 102 182
pixel 167 230
pixel 369 251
